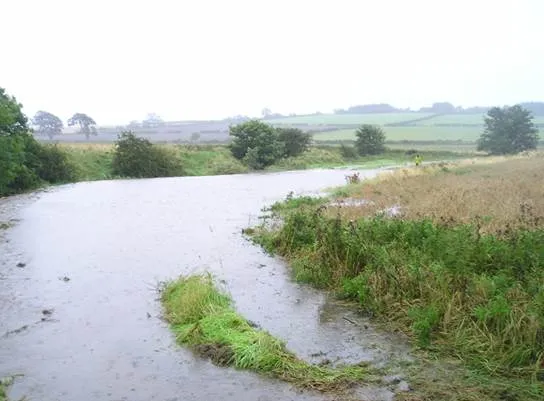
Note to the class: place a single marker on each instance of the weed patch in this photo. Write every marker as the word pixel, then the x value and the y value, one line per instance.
pixel 465 287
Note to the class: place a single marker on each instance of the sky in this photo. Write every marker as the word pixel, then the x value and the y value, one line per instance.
pixel 119 60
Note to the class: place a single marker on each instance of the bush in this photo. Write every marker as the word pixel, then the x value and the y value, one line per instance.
pixel 370 140
pixel 295 141
pixel 54 165
pixel 255 143
pixel 508 130
pixel 348 152
pixel 24 163
pixel 138 158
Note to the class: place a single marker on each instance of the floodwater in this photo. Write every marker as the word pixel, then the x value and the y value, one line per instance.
pixel 79 270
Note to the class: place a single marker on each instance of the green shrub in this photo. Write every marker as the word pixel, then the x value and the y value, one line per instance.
pixel 25 163
pixel 481 296
pixel 370 140
pixel 54 165
pixel 138 158
pixel 348 152
pixel 256 144
pixel 295 141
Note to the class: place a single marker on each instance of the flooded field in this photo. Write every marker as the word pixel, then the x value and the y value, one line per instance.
pixel 79 270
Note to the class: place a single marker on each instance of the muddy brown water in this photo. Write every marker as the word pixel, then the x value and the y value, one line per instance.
pixel 79 269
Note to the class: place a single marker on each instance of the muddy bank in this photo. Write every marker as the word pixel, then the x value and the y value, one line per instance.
pixel 93 255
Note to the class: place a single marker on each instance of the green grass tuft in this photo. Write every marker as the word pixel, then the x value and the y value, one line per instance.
pixel 204 319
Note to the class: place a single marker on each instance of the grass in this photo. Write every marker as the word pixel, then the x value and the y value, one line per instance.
pixel 203 318
pixel 349 119
pixel 387 118
pixel 419 133
pixel 504 192
pixel 330 157
pixel 209 160
pixel 5 383
pixel 94 161
pixel 460 267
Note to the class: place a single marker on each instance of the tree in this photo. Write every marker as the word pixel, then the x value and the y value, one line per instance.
pixel 87 125
pixel 508 130
pixel 195 136
pixel 265 112
pixel 48 124
pixel 138 158
pixel 370 140
pixel 152 120
pixel 134 124
pixel 440 108
pixel 12 119
pixel 256 144
pixel 24 162
pixel 295 141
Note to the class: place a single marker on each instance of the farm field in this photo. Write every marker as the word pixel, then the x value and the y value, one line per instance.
pixel 418 133
pixel 387 118
pixel 349 119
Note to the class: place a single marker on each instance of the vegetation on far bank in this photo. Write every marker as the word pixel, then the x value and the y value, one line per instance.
pixel 94 161
pixel 453 256
pixel 27 164
pixel 203 318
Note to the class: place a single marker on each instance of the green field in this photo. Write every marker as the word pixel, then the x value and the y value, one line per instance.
pixel 349 119
pixel 423 133
pixel 473 119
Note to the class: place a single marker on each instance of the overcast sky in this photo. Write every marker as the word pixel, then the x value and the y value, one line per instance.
pixel 117 60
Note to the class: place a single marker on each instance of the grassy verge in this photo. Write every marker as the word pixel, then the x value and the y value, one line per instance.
pixel 94 161
pixel 204 319
pixel 458 264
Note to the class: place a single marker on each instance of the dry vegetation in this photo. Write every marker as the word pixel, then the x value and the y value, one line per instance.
pixel 497 193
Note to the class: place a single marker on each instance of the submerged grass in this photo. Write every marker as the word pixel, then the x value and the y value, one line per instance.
pixel 464 284
pixel 204 319
pixel 5 383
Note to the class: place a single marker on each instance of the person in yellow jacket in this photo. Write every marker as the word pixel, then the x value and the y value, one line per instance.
pixel 418 159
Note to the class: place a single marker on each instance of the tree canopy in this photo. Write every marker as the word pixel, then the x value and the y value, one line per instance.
pixel 25 163
pixel 508 130
pixel 48 124
pixel 256 144
pixel 87 125
pixel 152 120
pixel 295 141
pixel 370 140
pixel 12 119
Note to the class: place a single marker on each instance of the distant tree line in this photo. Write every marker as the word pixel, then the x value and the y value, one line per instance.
pixel 48 124
pixel 536 108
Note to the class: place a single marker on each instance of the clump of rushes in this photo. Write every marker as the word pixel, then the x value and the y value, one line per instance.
pixel 203 318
